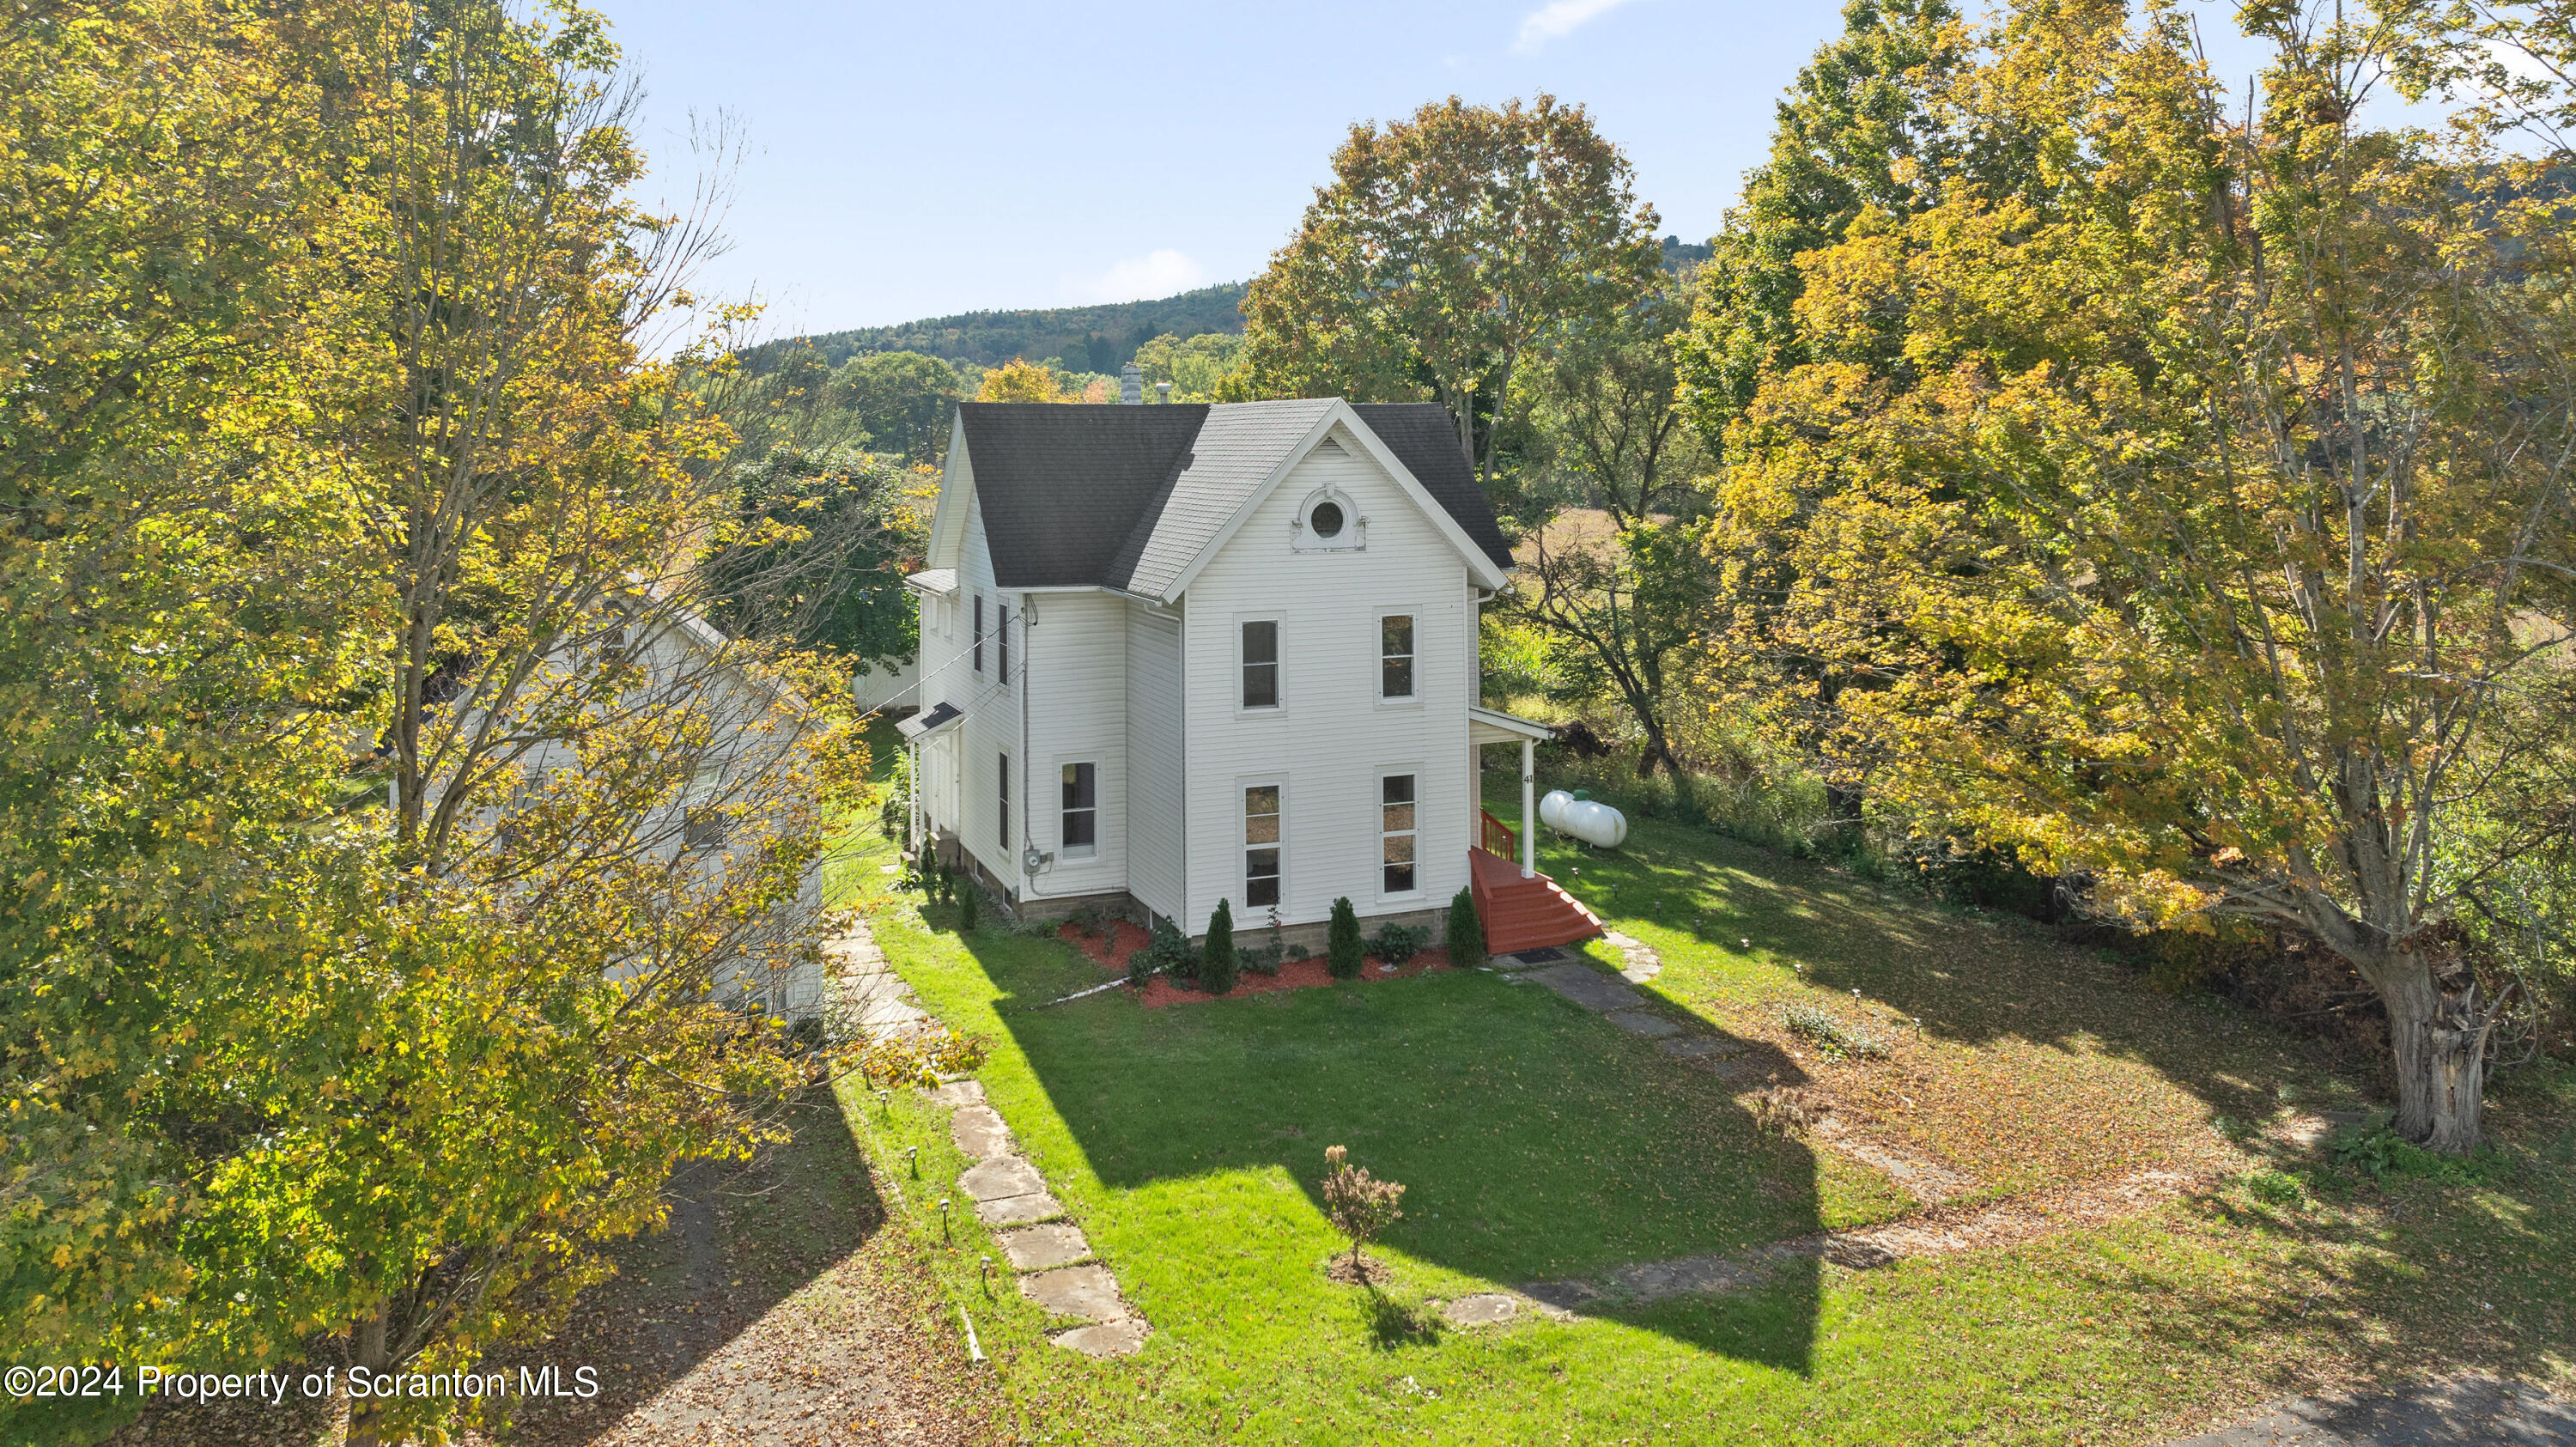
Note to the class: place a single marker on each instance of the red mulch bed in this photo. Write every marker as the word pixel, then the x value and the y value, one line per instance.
pixel 1124 939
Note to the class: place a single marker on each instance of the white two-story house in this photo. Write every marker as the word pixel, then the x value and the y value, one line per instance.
pixel 1176 654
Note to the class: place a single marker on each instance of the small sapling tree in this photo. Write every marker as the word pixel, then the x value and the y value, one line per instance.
pixel 1342 944
pixel 1216 960
pixel 1361 1205
pixel 1466 932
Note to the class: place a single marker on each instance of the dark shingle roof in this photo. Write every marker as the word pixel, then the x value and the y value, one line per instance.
pixel 1073 496
pixel 1063 486
pixel 1423 438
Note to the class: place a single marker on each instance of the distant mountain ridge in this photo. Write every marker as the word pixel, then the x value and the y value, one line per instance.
pixel 1081 338
pixel 1098 338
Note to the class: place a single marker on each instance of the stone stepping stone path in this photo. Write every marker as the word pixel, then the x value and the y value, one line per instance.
pixel 868 997
pixel 1053 1259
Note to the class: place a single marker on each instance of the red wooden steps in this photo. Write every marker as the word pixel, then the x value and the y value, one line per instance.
pixel 1524 914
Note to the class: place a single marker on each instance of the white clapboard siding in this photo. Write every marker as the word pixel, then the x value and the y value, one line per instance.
pixel 1155 766
pixel 992 727
pixel 1331 738
pixel 1076 676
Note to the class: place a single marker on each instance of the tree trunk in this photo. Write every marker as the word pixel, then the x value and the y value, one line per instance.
pixel 2440 1042
pixel 367 1349
pixel 1659 751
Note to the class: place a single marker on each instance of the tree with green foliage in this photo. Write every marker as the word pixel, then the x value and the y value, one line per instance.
pixel 902 399
pixel 2215 540
pixel 1217 964
pixel 1343 951
pixel 1466 937
pixel 1204 368
pixel 1863 131
pixel 824 543
pixel 1615 574
pixel 271 538
pixel 1446 250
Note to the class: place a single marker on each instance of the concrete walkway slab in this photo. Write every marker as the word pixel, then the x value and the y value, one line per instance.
pixel 1036 1248
pixel 1485 1308
pixel 997 1179
pixel 1018 1210
pixel 1086 1293
pixel 1108 1339
pixel 957 1093
pixel 1589 987
pixel 978 1131
pixel 1643 1022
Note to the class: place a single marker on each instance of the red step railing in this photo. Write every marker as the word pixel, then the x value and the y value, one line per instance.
pixel 1499 838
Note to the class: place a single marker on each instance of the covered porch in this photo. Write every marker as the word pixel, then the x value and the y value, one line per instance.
pixel 1521 908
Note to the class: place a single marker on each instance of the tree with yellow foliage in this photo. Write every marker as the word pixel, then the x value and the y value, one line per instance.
pixel 1020 380
pixel 2205 532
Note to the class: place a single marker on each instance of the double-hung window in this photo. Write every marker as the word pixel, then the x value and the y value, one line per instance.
pixel 979 633
pixel 1081 809
pixel 1001 644
pixel 1002 802
pixel 1395 656
pixel 1261 663
pixel 1396 831
pixel 1261 845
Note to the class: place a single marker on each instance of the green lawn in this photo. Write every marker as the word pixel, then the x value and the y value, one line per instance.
pixel 1538 1141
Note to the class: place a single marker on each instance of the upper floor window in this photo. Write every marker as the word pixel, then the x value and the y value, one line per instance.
pixel 1396 831
pixel 979 633
pixel 1395 656
pixel 1002 801
pixel 1081 809
pixel 1261 663
pixel 1261 845
pixel 1001 644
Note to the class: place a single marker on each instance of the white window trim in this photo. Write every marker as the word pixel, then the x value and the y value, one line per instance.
pixel 1279 662
pixel 1239 892
pixel 1377 835
pixel 1377 658
pixel 1080 853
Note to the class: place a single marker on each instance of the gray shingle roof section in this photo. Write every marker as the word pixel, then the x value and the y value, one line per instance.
pixel 1128 497
pixel 1061 487
pixel 1423 438
pixel 1237 450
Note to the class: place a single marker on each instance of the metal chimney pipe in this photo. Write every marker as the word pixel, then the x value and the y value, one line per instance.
pixel 1162 391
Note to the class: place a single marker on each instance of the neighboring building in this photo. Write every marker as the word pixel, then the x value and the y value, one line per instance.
pixel 1181 653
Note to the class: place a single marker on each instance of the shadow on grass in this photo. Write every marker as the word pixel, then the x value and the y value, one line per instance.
pixel 1537 1142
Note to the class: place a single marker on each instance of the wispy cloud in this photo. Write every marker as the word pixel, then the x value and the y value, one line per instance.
pixel 1139 278
pixel 1558 19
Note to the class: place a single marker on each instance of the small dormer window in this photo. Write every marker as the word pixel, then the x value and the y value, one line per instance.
pixel 1327 519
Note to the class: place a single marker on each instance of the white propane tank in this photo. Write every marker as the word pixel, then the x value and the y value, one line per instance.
pixel 1551 810
pixel 1594 822
pixel 1589 820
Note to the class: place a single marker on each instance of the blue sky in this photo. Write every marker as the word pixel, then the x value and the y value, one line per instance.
pixel 912 160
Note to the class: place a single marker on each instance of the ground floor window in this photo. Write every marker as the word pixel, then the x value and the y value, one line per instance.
pixel 1261 845
pixel 1395 831
pixel 1081 809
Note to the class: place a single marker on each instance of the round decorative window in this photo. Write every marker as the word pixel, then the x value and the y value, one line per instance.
pixel 1327 519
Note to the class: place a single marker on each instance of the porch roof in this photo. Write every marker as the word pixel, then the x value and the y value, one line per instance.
pixel 1492 726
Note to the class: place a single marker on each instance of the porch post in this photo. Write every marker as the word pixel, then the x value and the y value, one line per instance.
pixel 1529 807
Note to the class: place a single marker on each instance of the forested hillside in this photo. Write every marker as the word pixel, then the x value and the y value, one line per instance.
pixel 1080 338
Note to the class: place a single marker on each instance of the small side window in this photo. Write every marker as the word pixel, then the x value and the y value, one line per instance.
pixel 1002 800
pixel 979 633
pixel 1261 664
pixel 1081 809
pixel 1395 656
pixel 1261 845
pixel 1396 832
